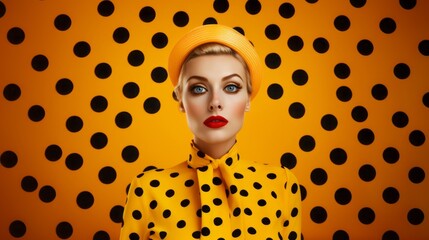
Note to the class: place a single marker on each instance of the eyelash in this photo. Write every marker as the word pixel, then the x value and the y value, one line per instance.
pixel 193 89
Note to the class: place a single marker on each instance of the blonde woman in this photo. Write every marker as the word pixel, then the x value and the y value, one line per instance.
pixel 213 193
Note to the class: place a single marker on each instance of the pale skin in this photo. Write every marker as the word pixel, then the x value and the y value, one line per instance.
pixel 214 85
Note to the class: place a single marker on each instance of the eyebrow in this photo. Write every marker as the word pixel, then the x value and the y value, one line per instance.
pixel 201 78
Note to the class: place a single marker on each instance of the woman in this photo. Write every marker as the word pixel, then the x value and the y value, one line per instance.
pixel 214 194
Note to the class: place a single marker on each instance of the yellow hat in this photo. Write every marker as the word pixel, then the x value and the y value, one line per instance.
pixel 215 33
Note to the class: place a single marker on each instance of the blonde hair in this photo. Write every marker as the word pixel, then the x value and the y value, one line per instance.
pixel 212 49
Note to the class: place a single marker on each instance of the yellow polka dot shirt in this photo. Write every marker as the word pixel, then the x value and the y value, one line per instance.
pixel 206 198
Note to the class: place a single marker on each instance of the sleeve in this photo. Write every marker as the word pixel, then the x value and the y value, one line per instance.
pixel 134 221
pixel 292 224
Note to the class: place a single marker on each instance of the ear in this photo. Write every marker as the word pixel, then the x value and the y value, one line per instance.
pixel 181 108
pixel 247 105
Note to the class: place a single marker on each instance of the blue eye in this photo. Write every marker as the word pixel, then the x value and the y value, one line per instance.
pixel 232 88
pixel 198 90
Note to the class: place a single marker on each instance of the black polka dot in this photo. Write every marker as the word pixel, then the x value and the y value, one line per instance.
pixel 387 25
pixel 36 113
pixel 238 176
pixel 217 201
pixel 340 235
pixel 359 114
pixel 295 43
pixel 425 99
pixel 47 194
pixel 74 124
pixel 185 203
pixel 358 3
pixel 415 216
pixel 379 92
pixel 319 176
pixel 318 214
pixel 16 35
pixel 342 70
pixel 233 189
pixel 273 60
pixel 416 175
pixel 275 91
pixel 338 156
pixel 139 192
pixel 342 23
pixel 152 105
pixel 390 195
pixel 107 175
pixel 391 155
pixel 154 183
pixel 424 47
pixel 417 138
pixel 29 184
pixel 123 119
pixel 390 235
pixel 159 40
pixel 81 49
pixel 257 185
pixel 288 160
pixel 272 31
pixel 236 233
pixel 147 14
pixel 85 200
pixel 64 86
pixel 365 47
pixel 366 136
pixel 344 93
pixel 321 45
pixel 209 20
pixel 221 6
pixel 99 140
pixel 343 196
pixel 40 63
pixel 101 235
pixel 303 192
pixel 300 77
pixel 408 4
pixel 400 119
pixel 181 19
pixel 8 159
pixel 253 7
pixel 367 172
pixel 296 110
pixel 266 221
pixel 11 92
pixel 131 90
pixel 159 75
pixel 106 8
pixel 307 143
pixel 153 204
pixel 2 9
pixel 17 228
pixel 53 152
pixel 62 22
pixel 366 215
pixel 189 183
pixel 99 103
pixel 402 71
pixel 116 213
pixel 286 10
pixel 74 161
pixel 121 35
pixel 103 70
pixel 130 154
pixel 329 122
pixel 136 58
pixel 137 215
pixel 205 209
pixel 217 221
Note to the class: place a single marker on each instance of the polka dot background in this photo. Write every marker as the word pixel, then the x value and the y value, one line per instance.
pixel 86 104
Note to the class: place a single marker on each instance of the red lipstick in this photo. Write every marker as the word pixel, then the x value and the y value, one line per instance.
pixel 215 122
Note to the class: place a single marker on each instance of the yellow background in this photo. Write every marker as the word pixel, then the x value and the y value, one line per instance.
pixel 163 138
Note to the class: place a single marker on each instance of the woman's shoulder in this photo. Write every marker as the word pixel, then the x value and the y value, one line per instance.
pixel 271 171
pixel 152 175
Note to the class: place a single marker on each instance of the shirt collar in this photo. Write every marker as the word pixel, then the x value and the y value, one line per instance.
pixel 200 160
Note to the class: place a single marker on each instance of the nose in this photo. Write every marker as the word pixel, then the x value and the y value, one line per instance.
pixel 215 103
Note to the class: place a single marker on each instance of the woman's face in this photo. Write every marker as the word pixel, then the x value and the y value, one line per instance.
pixel 214 98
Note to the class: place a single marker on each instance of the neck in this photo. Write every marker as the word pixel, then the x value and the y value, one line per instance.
pixel 214 150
